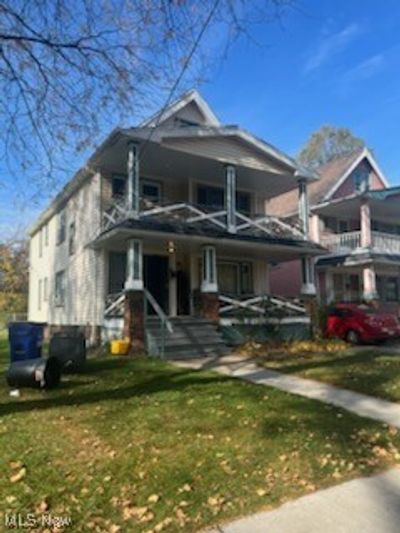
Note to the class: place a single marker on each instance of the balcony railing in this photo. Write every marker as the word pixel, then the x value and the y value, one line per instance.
pixel 339 242
pixel 179 213
pixel 351 240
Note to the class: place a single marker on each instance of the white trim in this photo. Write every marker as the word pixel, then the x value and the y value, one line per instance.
pixel 364 154
pixel 192 96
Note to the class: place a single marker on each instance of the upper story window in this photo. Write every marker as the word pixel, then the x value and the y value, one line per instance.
pixel 118 185
pixel 151 190
pixel 61 228
pixel 40 242
pixel 71 238
pixel 214 197
pixel 361 178
pixel 59 288
pixel 46 234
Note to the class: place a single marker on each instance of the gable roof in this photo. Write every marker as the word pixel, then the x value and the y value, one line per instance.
pixel 191 97
pixel 332 175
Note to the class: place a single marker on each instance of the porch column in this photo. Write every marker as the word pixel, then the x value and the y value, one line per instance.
pixel 369 283
pixel 365 224
pixel 303 207
pixel 134 297
pixel 308 277
pixel 314 228
pixel 209 284
pixel 132 195
pixel 230 198
pixel 172 285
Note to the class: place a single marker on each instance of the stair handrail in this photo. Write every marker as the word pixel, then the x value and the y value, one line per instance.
pixel 159 311
pixel 165 322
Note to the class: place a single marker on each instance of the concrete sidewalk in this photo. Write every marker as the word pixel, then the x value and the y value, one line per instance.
pixel 359 404
pixel 367 505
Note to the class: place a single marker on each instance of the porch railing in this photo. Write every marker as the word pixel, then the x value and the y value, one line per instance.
pixel 261 305
pixel 189 213
pixel 386 242
pixel 337 242
pixel 351 240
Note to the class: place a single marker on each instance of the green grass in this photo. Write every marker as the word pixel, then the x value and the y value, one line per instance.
pixel 373 371
pixel 211 448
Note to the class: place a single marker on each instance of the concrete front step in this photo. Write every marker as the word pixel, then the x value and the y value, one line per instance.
pixel 191 337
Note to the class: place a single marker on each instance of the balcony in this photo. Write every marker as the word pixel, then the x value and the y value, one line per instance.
pixel 181 215
pixel 350 241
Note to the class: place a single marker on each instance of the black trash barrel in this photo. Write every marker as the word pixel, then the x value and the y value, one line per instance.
pixel 37 373
pixel 25 339
pixel 70 350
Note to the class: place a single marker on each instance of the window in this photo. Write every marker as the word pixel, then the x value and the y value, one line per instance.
pixel 45 289
pixel 71 238
pixel 62 220
pixel 46 234
pixel 40 294
pixel 59 289
pixel 391 289
pixel 235 278
pixel 360 179
pixel 210 196
pixel 151 190
pixel 118 184
pixel 343 226
pixel 215 197
pixel 41 242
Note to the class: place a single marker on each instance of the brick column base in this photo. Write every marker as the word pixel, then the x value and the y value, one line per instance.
pixel 134 319
pixel 210 306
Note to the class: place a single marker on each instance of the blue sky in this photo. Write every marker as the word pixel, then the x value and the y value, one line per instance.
pixel 324 63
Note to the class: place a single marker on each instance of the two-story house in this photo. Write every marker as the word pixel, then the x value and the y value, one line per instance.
pixel 167 221
pixel 355 215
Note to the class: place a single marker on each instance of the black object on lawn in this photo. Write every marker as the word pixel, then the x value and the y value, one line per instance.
pixel 38 373
pixel 69 350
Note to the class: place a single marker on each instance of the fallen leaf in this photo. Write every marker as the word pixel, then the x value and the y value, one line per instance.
pixel 18 476
pixel 153 498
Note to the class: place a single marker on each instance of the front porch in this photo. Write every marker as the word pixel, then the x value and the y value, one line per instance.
pixel 225 283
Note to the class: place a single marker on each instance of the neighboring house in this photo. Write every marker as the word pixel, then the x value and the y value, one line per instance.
pixel 167 218
pixel 355 215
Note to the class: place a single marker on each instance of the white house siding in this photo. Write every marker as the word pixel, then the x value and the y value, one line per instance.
pixel 84 270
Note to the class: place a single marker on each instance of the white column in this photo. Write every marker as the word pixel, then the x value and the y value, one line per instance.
pixel 308 283
pixel 365 224
pixel 303 207
pixel 132 193
pixel 314 228
pixel 369 283
pixel 134 266
pixel 209 281
pixel 230 198
pixel 172 286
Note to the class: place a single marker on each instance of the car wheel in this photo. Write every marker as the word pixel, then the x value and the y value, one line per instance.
pixel 352 337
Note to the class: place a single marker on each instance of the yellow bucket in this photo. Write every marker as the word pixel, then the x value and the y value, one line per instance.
pixel 120 347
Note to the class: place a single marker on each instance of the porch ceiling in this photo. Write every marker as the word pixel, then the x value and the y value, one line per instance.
pixel 271 249
pixel 381 209
pixel 178 164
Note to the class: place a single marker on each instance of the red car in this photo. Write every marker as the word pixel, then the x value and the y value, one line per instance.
pixel 360 323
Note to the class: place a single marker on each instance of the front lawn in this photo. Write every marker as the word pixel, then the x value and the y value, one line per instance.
pixel 140 445
pixel 372 371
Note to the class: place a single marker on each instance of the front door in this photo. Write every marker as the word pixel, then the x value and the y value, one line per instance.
pixel 156 279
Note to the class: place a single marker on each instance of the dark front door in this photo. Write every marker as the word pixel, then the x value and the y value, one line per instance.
pixel 156 279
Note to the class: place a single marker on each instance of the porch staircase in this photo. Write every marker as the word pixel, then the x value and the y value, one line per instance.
pixel 191 337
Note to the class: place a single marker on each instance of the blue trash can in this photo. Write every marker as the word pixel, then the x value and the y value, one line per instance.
pixel 25 339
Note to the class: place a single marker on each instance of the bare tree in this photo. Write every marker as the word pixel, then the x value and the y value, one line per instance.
pixel 72 69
